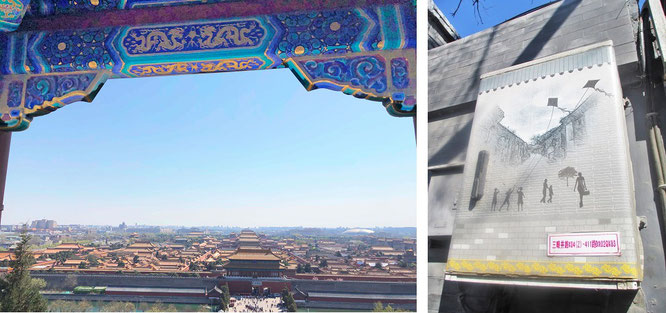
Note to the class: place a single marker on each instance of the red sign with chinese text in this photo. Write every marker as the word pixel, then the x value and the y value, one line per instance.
pixel 584 244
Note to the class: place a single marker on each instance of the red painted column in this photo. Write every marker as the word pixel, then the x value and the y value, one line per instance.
pixel 5 140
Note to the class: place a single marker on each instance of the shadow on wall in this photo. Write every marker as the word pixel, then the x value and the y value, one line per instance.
pixel 547 31
pixel 454 147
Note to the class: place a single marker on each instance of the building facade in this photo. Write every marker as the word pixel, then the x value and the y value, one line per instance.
pixel 458 71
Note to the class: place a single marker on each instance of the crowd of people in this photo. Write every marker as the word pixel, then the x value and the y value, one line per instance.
pixel 257 304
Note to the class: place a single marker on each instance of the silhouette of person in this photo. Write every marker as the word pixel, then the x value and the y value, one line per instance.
pixel 550 194
pixel 521 195
pixel 545 188
pixel 507 197
pixel 580 187
pixel 493 206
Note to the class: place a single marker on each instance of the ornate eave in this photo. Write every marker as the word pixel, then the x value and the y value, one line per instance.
pixel 63 52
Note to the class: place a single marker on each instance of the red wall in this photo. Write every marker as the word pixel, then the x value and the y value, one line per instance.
pixel 276 286
pixel 384 301
pixel 243 287
pixel 146 293
pixel 354 278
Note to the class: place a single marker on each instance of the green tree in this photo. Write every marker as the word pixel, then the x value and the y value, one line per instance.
pixel 225 298
pixel 62 256
pixel 93 260
pixel 19 291
pixel 338 254
pixel 195 266
pixel 116 246
pixel 136 259
pixel 323 263
pixel 83 265
pixel 307 268
pixel 378 265
pixel 288 301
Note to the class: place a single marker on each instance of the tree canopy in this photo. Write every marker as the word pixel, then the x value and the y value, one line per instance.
pixel 19 291
pixel 225 298
pixel 288 301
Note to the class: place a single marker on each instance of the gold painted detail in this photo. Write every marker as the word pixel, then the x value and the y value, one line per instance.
pixel 170 40
pixel 299 50
pixel 228 35
pixel 94 2
pixel 213 37
pixel 533 268
pixel 335 26
pixel 196 67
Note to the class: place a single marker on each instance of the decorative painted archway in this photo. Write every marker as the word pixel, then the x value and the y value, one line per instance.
pixel 55 52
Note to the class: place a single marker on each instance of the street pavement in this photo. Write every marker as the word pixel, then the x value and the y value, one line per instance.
pixel 257 304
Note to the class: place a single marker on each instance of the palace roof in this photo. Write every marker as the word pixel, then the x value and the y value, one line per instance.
pixel 244 254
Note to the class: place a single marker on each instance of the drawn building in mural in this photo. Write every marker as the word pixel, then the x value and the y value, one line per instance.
pixel 542 163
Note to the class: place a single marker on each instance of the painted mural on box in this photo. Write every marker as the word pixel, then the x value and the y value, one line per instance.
pixel 547 160
pixel 367 51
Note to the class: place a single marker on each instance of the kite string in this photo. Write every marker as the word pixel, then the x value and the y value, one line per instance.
pixel 524 178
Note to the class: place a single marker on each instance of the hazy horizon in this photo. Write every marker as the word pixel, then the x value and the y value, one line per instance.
pixel 210 226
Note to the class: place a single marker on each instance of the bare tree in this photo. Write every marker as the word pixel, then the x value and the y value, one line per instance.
pixel 475 3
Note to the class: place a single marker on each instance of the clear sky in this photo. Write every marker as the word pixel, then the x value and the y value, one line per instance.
pixel 236 149
pixel 492 12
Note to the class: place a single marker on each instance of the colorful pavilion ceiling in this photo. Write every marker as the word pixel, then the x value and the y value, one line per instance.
pixel 64 50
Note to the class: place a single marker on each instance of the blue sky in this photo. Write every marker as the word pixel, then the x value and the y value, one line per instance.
pixel 237 149
pixel 492 12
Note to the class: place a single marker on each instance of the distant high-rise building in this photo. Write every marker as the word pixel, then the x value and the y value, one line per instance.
pixel 43 224
pixel 51 224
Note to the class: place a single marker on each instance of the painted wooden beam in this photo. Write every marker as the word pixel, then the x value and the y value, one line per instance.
pixel 365 49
